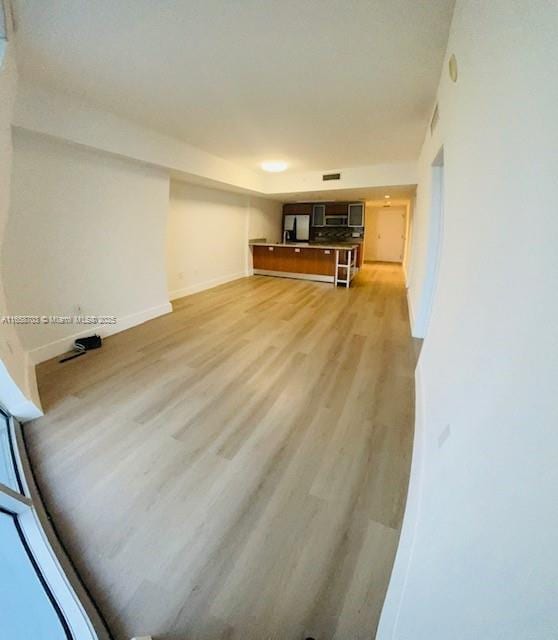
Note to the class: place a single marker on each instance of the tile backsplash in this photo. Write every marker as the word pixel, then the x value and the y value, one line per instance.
pixel 336 233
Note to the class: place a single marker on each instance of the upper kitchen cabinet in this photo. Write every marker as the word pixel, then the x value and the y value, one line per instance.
pixel 318 215
pixel 298 208
pixel 335 215
pixel 336 209
pixel 356 215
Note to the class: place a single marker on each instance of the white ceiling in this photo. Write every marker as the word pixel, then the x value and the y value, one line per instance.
pixel 318 83
pixel 369 193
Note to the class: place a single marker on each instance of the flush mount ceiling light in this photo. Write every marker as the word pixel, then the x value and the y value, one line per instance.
pixel 274 166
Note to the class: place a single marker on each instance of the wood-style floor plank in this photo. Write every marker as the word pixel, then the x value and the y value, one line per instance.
pixel 238 468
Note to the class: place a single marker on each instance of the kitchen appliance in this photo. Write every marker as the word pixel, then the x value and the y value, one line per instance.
pixel 296 228
pixel 336 221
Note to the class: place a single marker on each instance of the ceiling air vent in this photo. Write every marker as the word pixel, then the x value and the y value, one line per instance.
pixel 434 120
pixel 331 176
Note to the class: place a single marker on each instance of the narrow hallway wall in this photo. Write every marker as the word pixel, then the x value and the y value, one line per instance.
pixel 478 555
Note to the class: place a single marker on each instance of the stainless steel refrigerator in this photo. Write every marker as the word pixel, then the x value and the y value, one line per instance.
pixel 297 228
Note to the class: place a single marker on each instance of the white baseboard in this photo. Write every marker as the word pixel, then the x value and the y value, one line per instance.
pixel 57 347
pixel 207 284
pixel 389 619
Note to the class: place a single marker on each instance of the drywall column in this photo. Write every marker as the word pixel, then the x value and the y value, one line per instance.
pixel 18 389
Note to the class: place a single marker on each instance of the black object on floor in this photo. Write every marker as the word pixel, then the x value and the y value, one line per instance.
pixel 92 342
pixel 82 345
pixel 76 354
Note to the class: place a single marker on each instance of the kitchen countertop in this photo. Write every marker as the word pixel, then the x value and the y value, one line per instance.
pixel 344 246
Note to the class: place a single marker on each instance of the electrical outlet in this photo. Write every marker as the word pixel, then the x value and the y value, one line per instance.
pixel 181 275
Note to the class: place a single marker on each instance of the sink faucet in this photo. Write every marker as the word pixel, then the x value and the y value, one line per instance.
pixel 285 234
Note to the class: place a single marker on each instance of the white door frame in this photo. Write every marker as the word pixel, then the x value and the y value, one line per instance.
pixel 435 235
pixel 22 505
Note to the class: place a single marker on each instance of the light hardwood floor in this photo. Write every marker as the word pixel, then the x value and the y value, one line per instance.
pixel 237 469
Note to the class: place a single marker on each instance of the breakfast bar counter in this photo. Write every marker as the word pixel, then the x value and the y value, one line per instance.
pixel 333 263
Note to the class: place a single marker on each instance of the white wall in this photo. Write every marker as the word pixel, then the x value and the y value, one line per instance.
pixel 18 389
pixel 479 556
pixel 409 237
pixel 208 233
pixel 265 219
pixel 84 229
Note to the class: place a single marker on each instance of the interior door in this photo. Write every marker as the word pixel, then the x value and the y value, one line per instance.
pixel 385 235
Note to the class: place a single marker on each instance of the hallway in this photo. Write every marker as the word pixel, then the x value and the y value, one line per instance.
pixel 238 467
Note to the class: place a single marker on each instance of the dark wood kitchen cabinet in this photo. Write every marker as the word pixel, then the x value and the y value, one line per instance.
pixel 301 260
pixel 298 208
pixel 336 209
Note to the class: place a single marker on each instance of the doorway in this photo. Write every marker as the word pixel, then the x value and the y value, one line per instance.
pixel 385 231
pixel 422 318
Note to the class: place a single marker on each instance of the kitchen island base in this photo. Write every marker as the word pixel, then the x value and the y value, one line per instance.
pixel 305 262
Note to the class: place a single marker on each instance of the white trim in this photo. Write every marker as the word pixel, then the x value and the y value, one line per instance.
pixel 411 313
pixel 296 276
pixel 13 501
pixel 53 574
pixel 50 566
pixel 208 284
pixel 434 247
pixel 57 347
pixel 387 628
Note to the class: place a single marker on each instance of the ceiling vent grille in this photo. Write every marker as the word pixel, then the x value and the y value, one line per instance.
pixel 331 176
pixel 434 120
